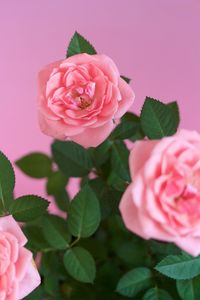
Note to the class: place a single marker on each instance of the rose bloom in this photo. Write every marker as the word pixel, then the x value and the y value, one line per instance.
pixel 18 274
pixel 81 98
pixel 163 200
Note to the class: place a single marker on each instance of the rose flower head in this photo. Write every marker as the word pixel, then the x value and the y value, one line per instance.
pixel 18 274
pixel 81 97
pixel 163 200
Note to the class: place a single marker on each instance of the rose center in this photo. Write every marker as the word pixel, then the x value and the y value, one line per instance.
pixel 82 96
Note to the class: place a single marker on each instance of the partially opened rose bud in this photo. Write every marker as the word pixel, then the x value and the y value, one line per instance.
pixel 163 200
pixel 18 273
pixel 81 97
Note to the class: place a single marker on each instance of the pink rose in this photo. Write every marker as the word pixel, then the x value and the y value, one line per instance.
pixel 163 201
pixel 18 274
pixel 81 97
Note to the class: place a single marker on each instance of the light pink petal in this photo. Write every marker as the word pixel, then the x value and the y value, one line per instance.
pixel 129 213
pixel 44 74
pixel 14 293
pixel 103 62
pixel 57 129
pixel 140 153
pixel 9 225
pixel 24 260
pixel 189 244
pixel 30 282
pixel 53 83
pixel 127 98
pixel 92 137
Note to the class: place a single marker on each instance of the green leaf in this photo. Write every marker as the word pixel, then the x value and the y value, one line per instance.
pixel 62 200
pixel 56 183
pixel 134 282
pixel 72 159
pixel 36 165
pixel 157 294
pixel 101 153
pixel 189 289
pixel 119 160
pixel 158 119
pixel 51 285
pixel 56 232
pixel 108 197
pixel 84 213
pixel 80 264
pixel 7 183
pixel 129 128
pixel 116 182
pixel 179 266
pixel 27 208
pixel 36 242
pixel 79 44
pixel 128 80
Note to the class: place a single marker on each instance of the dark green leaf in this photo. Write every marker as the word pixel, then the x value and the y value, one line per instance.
pixel 128 80
pixel 36 165
pixel 36 242
pixel 134 282
pixel 79 44
pixel 56 232
pixel 189 289
pixel 157 294
pixel 179 266
pixel 158 119
pixel 129 128
pixel 72 159
pixel 101 153
pixel 84 213
pixel 62 200
pixel 80 264
pixel 119 160
pixel 27 208
pixel 108 197
pixel 56 183
pixel 7 182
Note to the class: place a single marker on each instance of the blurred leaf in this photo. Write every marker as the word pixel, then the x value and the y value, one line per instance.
pixel 79 44
pixel 7 183
pixel 84 213
pixel 36 242
pixel 72 159
pixel 80 264
pixel 134 282
pixel 36 165
pixel 134 253
pixel 56 232
pixel 28 208
pixel 116 182
pixel 51 285
pixel 158 119
pixel 56 183
pixel 189 289
pixel 36 294
pixel 62 200
pixel 157 294
pixel 179 266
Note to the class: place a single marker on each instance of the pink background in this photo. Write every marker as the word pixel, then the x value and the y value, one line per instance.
pixel 154 42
